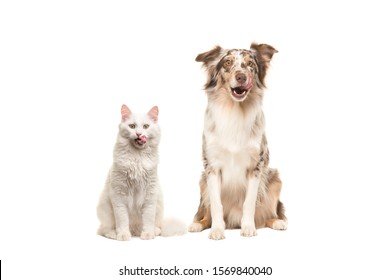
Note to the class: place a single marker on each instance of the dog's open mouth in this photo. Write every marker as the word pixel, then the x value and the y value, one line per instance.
pixel 141 140
pixel 239 92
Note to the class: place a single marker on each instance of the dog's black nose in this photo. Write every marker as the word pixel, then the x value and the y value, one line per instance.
pixel 241 78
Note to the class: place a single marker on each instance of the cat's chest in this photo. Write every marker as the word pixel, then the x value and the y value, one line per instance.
pixel 139 167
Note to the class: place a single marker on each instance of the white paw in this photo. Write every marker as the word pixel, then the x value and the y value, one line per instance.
pixel 195 227
pixel 145 235
pixel 217 234
pixel 157 231
pixel 110 234
pixel 248 231
pixel 279 225
pixel 123 236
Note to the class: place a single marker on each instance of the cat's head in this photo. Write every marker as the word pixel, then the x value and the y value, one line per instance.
pixel 140 130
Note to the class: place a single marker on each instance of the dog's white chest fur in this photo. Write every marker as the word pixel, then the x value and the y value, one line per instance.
pixel 231 143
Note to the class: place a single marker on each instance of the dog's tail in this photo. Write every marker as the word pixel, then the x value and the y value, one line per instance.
pixel 171 227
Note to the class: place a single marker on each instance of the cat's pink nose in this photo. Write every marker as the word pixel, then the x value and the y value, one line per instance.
pixel 138 134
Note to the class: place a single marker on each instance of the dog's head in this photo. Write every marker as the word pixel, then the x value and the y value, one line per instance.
pixel 238 71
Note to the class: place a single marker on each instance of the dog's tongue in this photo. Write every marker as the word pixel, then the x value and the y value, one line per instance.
pixel 248 85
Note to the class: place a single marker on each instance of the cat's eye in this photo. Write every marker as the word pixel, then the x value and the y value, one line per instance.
pixel 132 126
pixel 146 126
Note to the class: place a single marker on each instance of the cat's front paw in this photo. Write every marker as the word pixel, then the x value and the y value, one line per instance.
pixel 145 235
pixel 110 234
pixel 123 236
pixel 157 231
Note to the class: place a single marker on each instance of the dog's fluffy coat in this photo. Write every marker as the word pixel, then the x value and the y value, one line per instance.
pixel 238 189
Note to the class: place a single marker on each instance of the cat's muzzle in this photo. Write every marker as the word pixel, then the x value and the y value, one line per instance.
pixel 141 140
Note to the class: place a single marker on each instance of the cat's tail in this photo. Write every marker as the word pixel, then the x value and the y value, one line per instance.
pixel 171 227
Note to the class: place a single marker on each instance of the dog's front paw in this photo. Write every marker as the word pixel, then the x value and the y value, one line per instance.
pixel 123 236
pixel 248 231
pixel 146 235
pixel 217 234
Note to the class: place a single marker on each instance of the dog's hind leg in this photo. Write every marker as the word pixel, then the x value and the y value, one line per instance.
pixel 202 219
pixel 279 223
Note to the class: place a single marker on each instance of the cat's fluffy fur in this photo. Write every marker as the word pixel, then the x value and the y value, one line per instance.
pixel 131 203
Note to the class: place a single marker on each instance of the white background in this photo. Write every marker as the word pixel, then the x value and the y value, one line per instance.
pixel 66 67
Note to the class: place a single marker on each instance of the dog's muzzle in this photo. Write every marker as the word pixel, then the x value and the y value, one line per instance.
pixel 245 84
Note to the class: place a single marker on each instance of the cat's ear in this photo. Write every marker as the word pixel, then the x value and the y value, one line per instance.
pixel 153 113
pixel 125 112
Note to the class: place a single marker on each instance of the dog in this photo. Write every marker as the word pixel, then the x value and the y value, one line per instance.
pixel 237 188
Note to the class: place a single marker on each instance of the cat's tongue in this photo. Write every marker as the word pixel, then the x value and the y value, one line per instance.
pixel 141 140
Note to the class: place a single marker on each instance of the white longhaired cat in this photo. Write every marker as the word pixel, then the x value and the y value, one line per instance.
pixel 131 202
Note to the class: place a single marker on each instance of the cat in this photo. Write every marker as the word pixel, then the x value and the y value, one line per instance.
pixel 131 203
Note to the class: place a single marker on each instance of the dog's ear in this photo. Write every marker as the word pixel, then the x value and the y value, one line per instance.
pixel 210 60
pixel 263 54
pixel 208 57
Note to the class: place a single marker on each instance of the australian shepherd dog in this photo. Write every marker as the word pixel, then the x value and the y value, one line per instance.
pixel 237 188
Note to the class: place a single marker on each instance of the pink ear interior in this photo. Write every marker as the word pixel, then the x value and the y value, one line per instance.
pixel 125 111
pixel 153 113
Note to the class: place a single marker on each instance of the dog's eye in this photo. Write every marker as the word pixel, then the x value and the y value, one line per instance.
pixel 146 126
pixel 132 126
pixel 228 62
pixel 250 64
